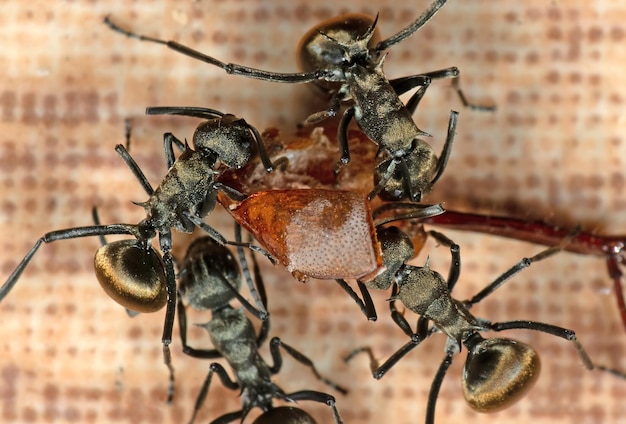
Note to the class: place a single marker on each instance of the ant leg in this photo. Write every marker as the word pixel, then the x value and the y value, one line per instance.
pixel 188 350
pixel 275 345
pixel 165 243
pixel 70 233
pixel 404 84
pixel 455 252
pixel 378 372
pixel 466 103
pixel 265 324
pixel 219 239
pixel 230 68
pixel 406 178
pixel 522 264
pixel 231 192
pixel 418 211
pixel 435 386
pixel 447 147
pixel 265 159
pixel 561 332
pixel 452 72
pixel 398 318
pixel 391 169
pixel 260 300
pixel 317 397
pixel 366 305
pixel 168 148
pixel 141 177
pixel 342 139
pixel 214 368
pixel 395 162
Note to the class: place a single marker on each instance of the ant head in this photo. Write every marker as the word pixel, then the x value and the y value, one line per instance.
pixel 337 43
pixel 132 273
pixel 419 165
pixel 498 372
pixel 208 271
pixel 397 248
pixel 285 415
pixel 232 139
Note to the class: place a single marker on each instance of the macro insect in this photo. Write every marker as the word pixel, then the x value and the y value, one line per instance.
pixel 497 371
pixel 131 271
pixel 342 52
pixel 209 279
pixel 323 234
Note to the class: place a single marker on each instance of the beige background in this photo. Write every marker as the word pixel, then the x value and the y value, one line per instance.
pixel 554 149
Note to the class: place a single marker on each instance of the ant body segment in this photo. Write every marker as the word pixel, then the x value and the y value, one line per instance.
pixel 210 279
pixel 131 271
pixel 497 371
pixel 340 55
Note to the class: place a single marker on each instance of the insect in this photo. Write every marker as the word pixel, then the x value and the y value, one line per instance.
pixel 210 278
pixel 131 271
pixel 324 234
pixel 340 52
pixel 497 371
pixel 310 156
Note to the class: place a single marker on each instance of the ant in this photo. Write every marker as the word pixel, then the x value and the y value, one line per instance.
pixel 131 271
pixel 497 371
pixel 210 278
pixel 541 232
pixel 341 54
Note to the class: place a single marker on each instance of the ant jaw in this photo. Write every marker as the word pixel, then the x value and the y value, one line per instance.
pixel 132 275
pixel 498 372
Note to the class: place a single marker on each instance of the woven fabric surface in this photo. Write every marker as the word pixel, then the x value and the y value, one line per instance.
pixel 553 150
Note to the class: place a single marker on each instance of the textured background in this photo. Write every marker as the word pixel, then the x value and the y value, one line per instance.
pixel 554 149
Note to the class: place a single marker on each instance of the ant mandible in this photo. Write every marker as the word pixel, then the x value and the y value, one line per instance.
pixel 497 371
pixel 343 55
pixel 209 279
pixel 131 271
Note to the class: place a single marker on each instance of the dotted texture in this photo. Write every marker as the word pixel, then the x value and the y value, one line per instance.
pixel 553 150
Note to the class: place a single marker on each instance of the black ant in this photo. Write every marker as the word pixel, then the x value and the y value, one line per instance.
pixel 498 371
pixel 210 278
pixel 131 271
pixel 345 57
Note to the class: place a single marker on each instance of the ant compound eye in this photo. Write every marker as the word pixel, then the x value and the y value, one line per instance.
pixel 132 275
pixel 498 372
pixel 285 414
